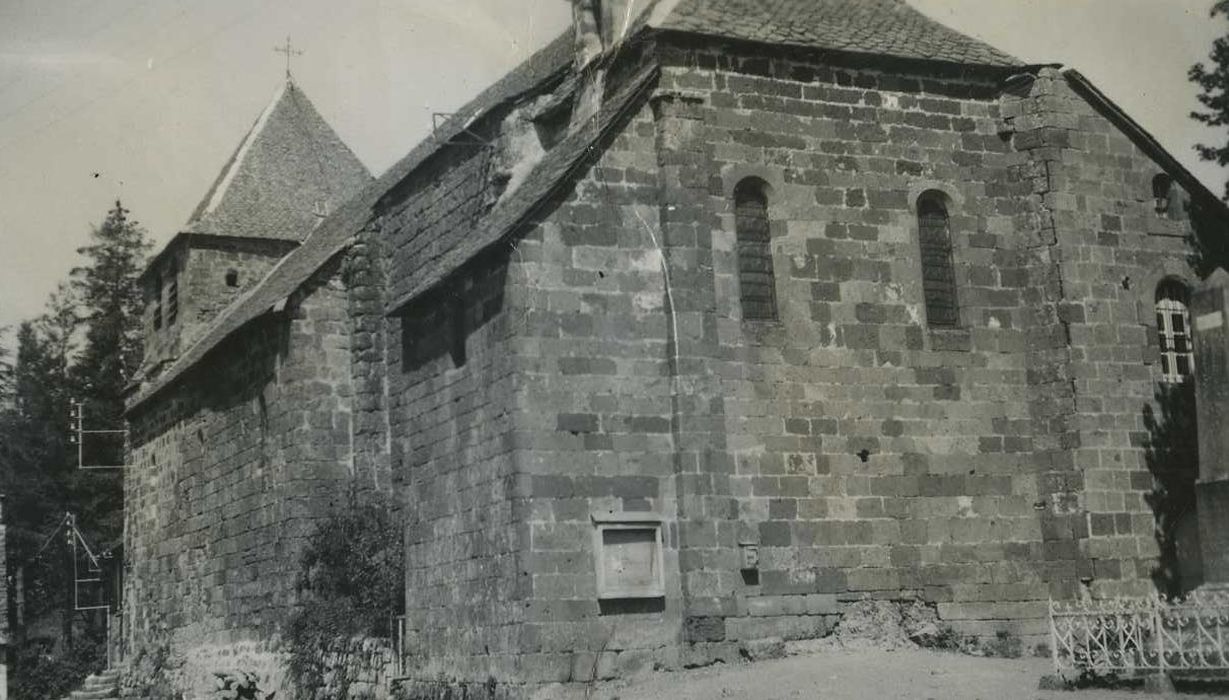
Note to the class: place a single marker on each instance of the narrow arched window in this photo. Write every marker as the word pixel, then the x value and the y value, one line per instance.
pixel 1173 328
pixel 938 270
pixel 756 281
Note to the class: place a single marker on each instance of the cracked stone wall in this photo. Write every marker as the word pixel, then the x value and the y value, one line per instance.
pixel 1115 248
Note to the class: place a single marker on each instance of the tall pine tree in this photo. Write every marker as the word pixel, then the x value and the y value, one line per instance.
pixel 111 305
pixel 1213 80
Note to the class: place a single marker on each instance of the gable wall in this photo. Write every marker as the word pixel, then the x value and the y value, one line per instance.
pixel 1116 249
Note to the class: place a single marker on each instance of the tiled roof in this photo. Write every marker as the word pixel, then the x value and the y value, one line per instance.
pixel 882 27
pixel 289 167
pixel 548 175
pixel 336 232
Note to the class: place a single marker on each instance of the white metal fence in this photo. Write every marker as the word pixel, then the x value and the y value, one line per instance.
pixel 1133 635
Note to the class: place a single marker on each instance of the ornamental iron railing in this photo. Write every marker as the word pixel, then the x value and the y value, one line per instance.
pixel 1124 636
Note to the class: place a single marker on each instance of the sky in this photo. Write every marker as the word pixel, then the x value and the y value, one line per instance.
pixel 144 100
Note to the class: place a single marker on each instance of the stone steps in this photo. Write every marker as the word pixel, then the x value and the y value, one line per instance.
pixel 98 686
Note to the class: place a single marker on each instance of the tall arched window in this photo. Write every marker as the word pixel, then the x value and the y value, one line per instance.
pixel 1173 328
pixel 938 271
pixel 756 281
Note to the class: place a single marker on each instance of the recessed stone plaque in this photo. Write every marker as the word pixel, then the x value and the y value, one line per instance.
pixel 1206 322
pixel 629 560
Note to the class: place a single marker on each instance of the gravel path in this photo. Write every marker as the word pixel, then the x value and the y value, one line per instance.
pixel 861 675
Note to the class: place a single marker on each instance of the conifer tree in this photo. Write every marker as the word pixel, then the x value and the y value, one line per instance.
pixel 1213 80
pixel 111 305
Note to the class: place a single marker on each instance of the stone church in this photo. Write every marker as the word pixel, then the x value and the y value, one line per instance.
pixel 709 319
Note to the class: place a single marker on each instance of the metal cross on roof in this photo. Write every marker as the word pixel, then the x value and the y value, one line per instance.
pixel 289 51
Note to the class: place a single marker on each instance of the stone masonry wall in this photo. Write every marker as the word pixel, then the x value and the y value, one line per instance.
pixel 451 410
pixel 229 469
pixel 557 409
pixel 595 438
pixel 449 425
pixel 365 274
pixel 866 454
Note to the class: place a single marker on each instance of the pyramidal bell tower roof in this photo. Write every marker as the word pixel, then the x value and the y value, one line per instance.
pixel 290 170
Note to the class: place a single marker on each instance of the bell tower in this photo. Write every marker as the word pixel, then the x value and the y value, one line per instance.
pixel 288 173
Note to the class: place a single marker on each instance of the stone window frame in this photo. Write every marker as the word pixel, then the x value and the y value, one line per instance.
pixel 607 522
pixel 951 201
pixel 1175 338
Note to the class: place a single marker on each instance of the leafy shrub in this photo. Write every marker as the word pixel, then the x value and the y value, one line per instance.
pixel 1005 646
pixel 351 583
pixel 240 685
pixel 41 674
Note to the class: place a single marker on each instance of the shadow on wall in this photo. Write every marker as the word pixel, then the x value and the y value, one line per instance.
pixel 441 322
pixel 1172 456
pixel 1172 450
pixel 1209 244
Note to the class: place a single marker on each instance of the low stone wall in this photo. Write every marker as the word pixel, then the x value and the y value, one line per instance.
pixel 189 672
pixel 358 669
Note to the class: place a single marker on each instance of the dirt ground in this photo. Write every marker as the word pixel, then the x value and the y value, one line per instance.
pixel 858 675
